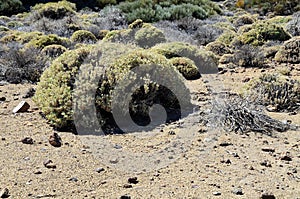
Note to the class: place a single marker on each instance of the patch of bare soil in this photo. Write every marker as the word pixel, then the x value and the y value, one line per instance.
pixel 210 163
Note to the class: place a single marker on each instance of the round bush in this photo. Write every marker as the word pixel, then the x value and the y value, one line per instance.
pixel 46 40
pixel 149 36
pixel 289 52
pixel 54 50
pixel 218 48
pixel 83 36
pixel 186 67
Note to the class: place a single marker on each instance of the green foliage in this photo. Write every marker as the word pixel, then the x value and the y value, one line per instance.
pixel 149 36
pixel 218 48
pixel 46 40
pixel 205 61
pixel 83 36
pixel 53 94
pixel 8 7
pixel 289 52
pixel 151 11
pixel 54 50
pixel 20 37
pixel 227 37
pixel 186 67
pixel 54 10
pixel 262 32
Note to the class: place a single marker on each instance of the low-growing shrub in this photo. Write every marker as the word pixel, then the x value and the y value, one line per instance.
pixel 83 36
pixel 227 37
pixel 46 40
pixel 293 25
pixel 289 52
pixel 54 10
pixel 54 50
pixel 9 7
pixel 263 32
pixel 243 20
pixel 218 48
pixel 186 67
pixel 249 56
pixel 20 37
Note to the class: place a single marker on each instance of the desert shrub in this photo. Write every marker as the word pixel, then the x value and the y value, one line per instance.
pixel 276 90
pixel 4 29
pixel 10 7
pixel 218 48
pixel 83 36
pixel 20 37
pixel 205 61
pixel 186 67
pixel 280 20
pixel 22 65
pixel 226 59
pixel 102 34
pixel 249 56
pixel 262 32
pixel 271 51
pixel 243 20
pixel 14 24
pixel 227 37
pixel 290 51
pixel 54 10
pixel 279 7
pixel 149 36
pixel 54 50
pixel 122 36
pixel 207 33
pixel 293 25
pixel 151 11
pixel 46 40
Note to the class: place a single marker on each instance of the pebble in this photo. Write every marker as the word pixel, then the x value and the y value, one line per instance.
pixel 286 157
pixel 27 140
pixel 238 191
pixel 23 106
pixel 49 164
pixel 2 99
pixel 125 197
pixel 225 144
pixel 37 172
pixel 133 180
pixel 4 193
pixel 267 196
pixel 55 140
pixel 266 163
pixel 73 179
pixel 268 150
pixel 118 146
pixel 99 170
pixel 127 186
pixel 171 133
pixel 216 193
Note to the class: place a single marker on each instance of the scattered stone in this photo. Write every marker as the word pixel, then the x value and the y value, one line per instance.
pixel 37 172
pixel 99 170
pixel 271 108
pixel 171 133
pixel 226 161
pixel 268 150
pixel 114 161
pixel 286 157
pixel 251 168
pixel 267 196
pixel 27 140
pixel 133 180
pixel 4 193
pixel 2 99
pixel 216 193
pixel 3 139
pixel 49 164
pixel 118 146
pixel 238 191
pixel 125 197
pixel 73 179
pixel 266 163
pixel 247 79
pixel 127 186
pixel 29 93
pixel 225 144
pixel 202 130
pixel 55 140
pixel 23 106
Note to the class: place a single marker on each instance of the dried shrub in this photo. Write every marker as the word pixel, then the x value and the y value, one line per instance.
pixel 54 50
pixel 243 20
pixel 293 26
pixel 218 48
pixel 249 56
pixel 186 67
pixel 289 52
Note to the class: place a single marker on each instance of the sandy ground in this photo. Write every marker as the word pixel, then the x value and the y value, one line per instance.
pixel 190 164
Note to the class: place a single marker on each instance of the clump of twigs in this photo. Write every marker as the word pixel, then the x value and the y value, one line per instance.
pixel 240 115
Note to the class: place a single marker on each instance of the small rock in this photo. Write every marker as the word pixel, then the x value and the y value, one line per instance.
pixel 238 191
pixel 216 193
pixel 171 133
pixel 247 79
pixel 125 197
pixel 3 139
pixel 55 140
pixel 226 161
pixel 266 163
pixel 268 150
pixel 267 196
pixel 27 140
pixel 133 180
pixel 118 146
pixel 286 157
pixel 4 193
pixel 127 186
pixel 99 170
pixel 29 93
pixel 114 161
pixel 23 106
pixel 49 164
pixel 73 179
pixel 2 99
pixel 37 172
pixel 225 144
pixel 272 108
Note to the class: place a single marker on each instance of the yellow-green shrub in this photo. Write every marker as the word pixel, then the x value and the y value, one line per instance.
pixel 186 67
pixel 83 36
pixel 46 40
pixel 289 52
pixel 54 50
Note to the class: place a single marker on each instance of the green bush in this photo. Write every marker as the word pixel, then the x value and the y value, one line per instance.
pixel 289 52
pixel 218 48
pixel 54 10
pixel 262 32
pixel 8 7
pixel 20 37
pixel 205 61
pixel 83 36
pixel 227 37
pixel 54 50
pixel 151 11
pixel 186 67
pixel 46 40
